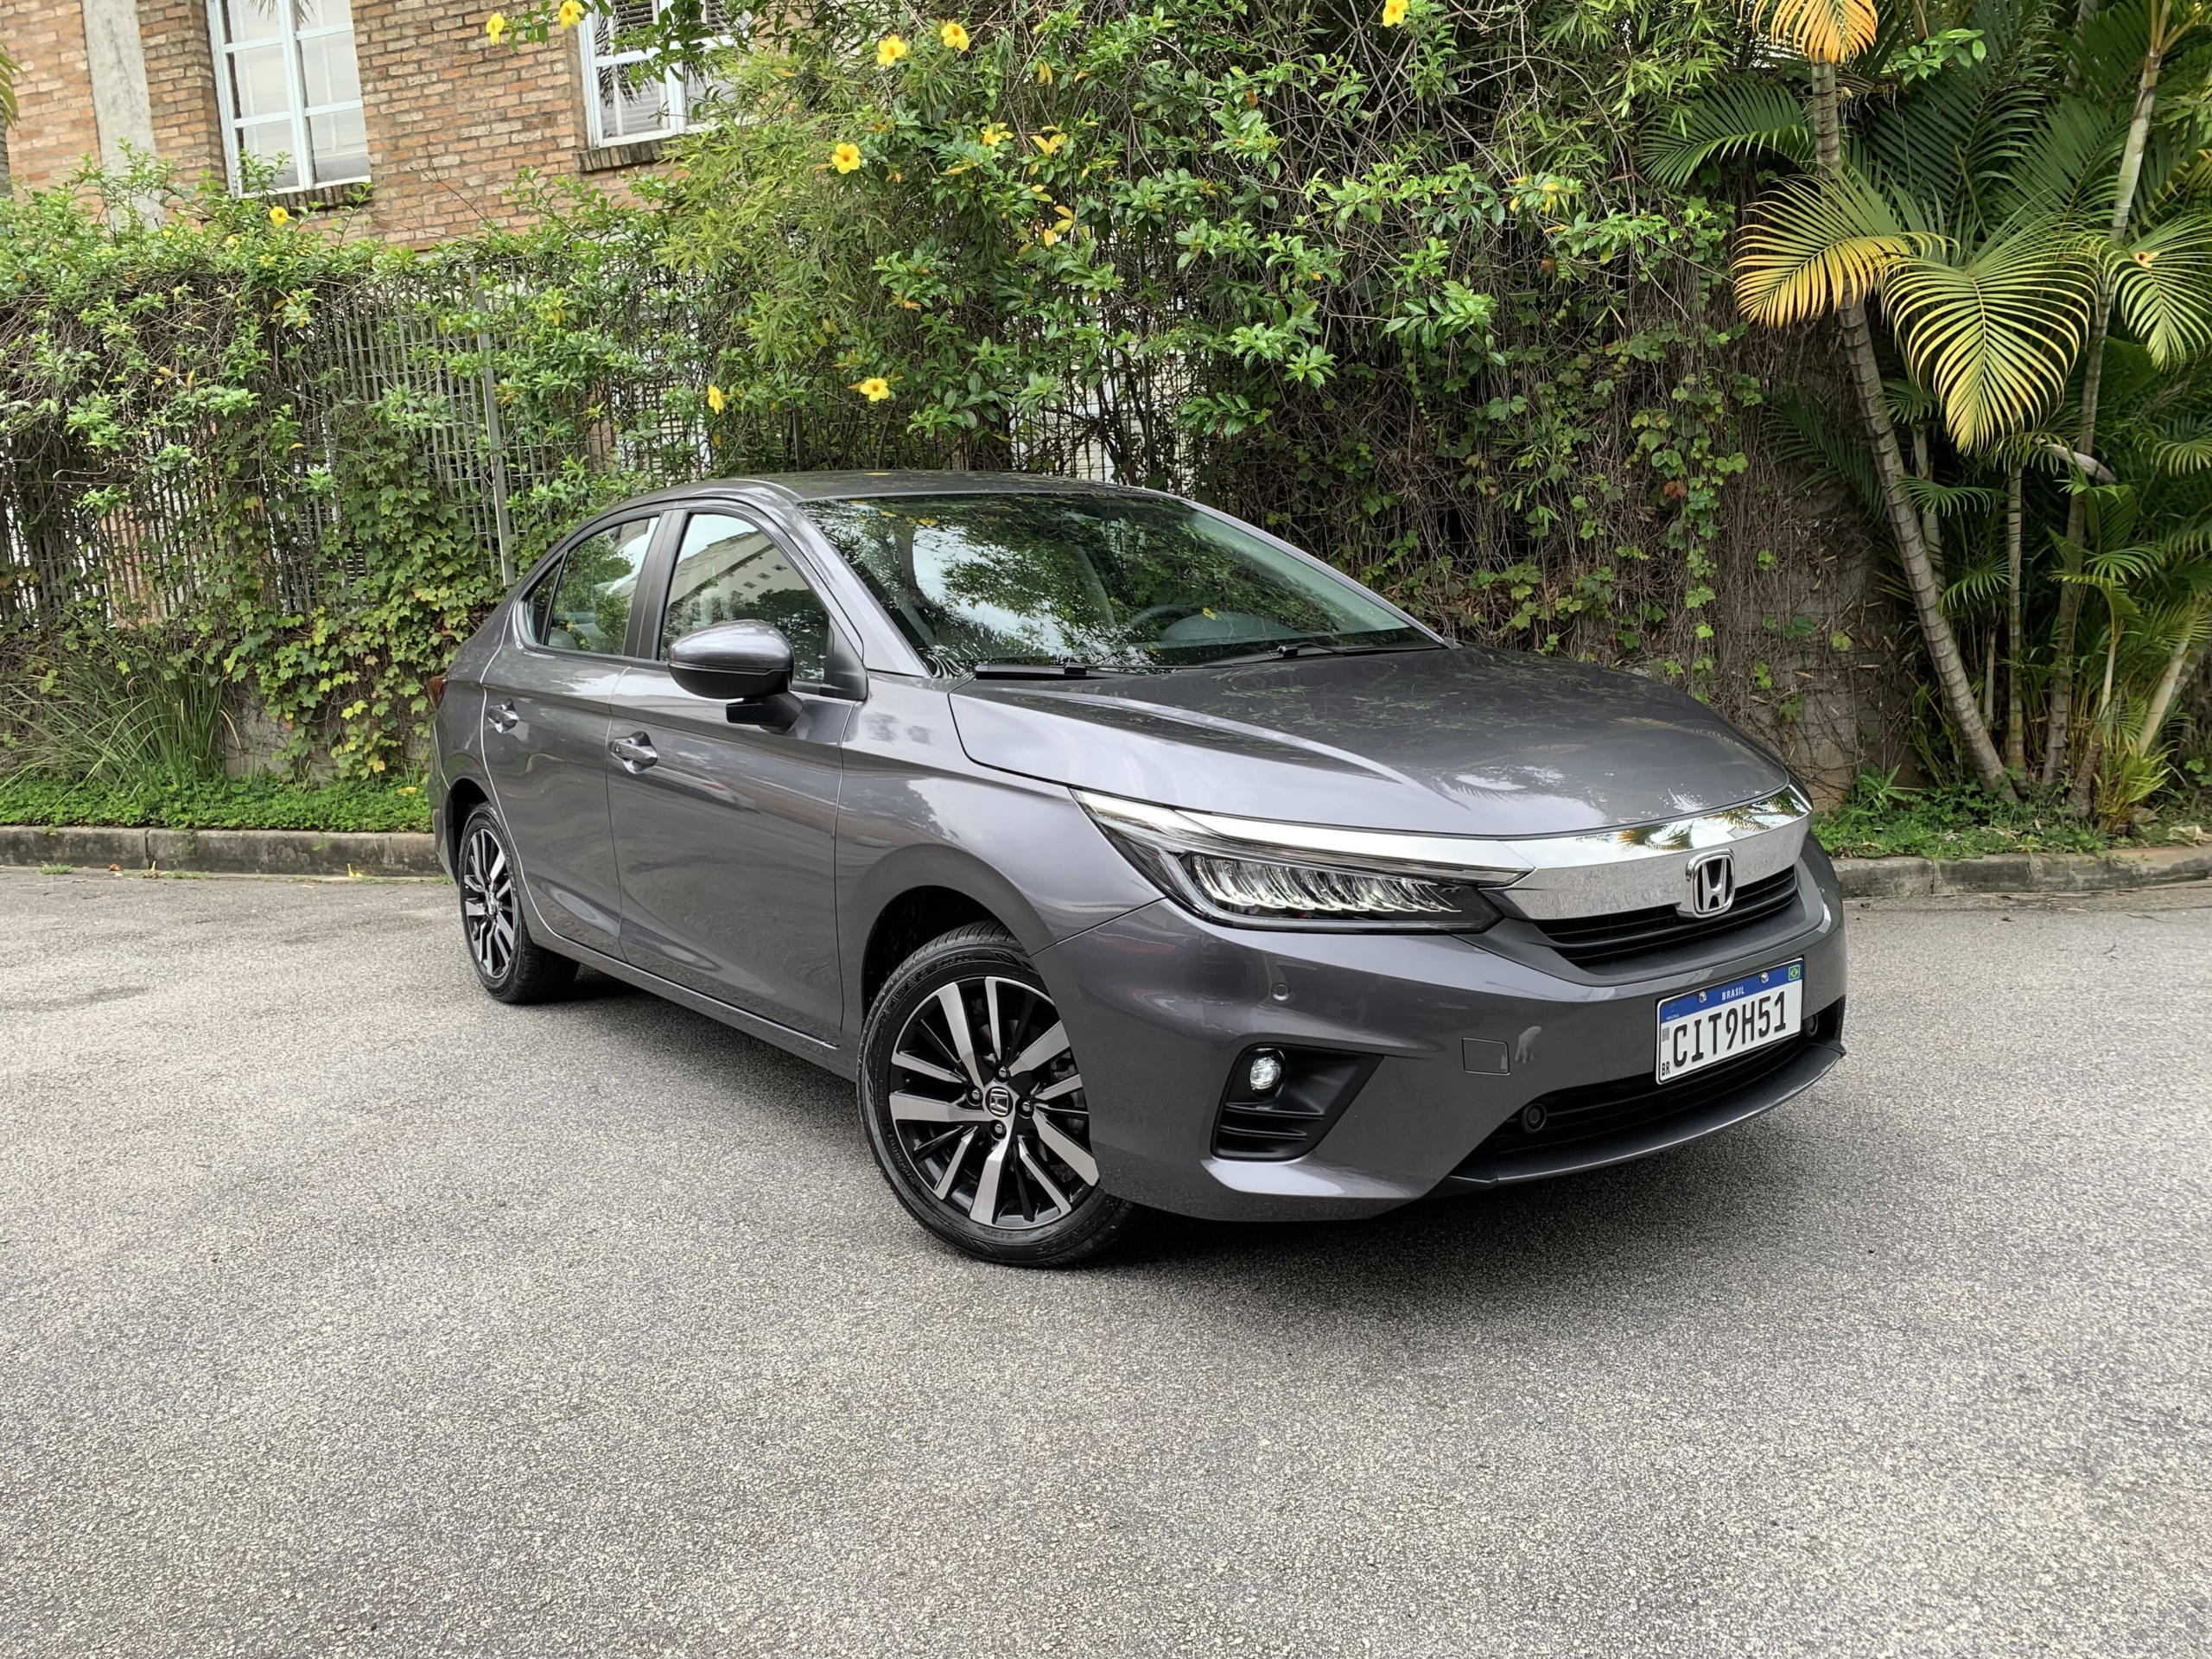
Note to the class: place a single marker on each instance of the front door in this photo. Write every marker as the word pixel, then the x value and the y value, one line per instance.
pixel 547 699
pixel 726 833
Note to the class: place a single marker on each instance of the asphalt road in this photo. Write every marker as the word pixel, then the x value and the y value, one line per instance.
pixel 345 1311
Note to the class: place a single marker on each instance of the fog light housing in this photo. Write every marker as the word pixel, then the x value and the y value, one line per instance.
pixel 1263 1073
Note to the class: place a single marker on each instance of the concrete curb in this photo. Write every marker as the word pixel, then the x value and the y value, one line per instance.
pixel 1922 878
pixel 224 852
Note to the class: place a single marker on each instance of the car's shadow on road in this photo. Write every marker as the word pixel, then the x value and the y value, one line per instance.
pixel 1703 1210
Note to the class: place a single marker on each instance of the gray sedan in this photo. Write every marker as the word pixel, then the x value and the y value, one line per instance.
pixel 1126 855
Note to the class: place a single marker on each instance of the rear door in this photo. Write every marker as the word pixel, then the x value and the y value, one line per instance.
pixel 727 834
pixel 548 695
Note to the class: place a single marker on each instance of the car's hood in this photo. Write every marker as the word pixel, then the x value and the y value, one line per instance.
pixel 1456 741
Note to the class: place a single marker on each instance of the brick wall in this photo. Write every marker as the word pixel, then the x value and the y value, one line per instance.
pixel 453 120
pixel 54 131
pixel 181 86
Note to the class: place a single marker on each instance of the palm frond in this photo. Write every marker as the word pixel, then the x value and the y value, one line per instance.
pixel 1995 337
pixel 1949 500
pixel 1811 433
pixel 1971 590
pixel 1909 405
pixel 2164 287
pixel 2069 161
pixel 1742 115
pixel 2178 457
pixel 1827 31
pixel 1814 245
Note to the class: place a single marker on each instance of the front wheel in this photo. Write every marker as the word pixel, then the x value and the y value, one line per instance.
pixel 974 1108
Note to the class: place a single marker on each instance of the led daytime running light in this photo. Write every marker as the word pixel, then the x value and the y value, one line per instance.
pixel 1290 890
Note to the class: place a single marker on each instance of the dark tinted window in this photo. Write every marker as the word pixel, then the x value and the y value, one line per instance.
pixel 728 571
pixel 587 605
pixel 1130 581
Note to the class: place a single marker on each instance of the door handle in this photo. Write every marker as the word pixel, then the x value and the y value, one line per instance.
pixel 502 717
pixel 635 752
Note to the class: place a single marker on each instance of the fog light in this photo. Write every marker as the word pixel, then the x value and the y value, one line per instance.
pixel 1264 1075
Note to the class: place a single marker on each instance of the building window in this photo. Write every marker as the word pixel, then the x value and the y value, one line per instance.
pixel 291 93
pixel 627 100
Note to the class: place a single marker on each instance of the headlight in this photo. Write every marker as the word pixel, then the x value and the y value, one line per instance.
pixel 1265 875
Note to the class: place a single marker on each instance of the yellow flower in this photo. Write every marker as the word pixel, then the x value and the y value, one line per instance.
pixel 875 388
pixel 956 37
pixel 571 13
pixel 279 217
pixel 845 158
pixel 2144 256
pixel 1049 141
pixel 495 27
pixel 1044 74
pixel 1394 12
pixel 993 136
pixel 889 50
pixel 716 401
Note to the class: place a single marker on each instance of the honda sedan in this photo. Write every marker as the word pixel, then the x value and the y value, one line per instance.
pixel 1124 855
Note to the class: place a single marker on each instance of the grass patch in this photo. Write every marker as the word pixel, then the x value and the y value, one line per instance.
pixel 1880 820
pixel 213 803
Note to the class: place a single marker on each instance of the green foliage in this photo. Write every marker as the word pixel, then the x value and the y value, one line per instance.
pixel 1392 291
pixel 1882 820
pixel 40 797
pixel 210 512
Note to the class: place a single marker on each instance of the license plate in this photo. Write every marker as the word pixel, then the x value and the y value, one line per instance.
pixel 1703 1028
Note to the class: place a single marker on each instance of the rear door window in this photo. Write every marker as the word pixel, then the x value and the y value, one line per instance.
pixel 585 605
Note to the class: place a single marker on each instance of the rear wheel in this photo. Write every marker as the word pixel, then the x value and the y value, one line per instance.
pixel 975 1106
pixel 509 962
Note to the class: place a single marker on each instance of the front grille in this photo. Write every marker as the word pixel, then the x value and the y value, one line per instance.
pixel 1620 1104
pixel 1596 941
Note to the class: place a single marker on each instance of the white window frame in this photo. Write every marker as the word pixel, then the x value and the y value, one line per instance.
pixel 289 36
pixel 675 99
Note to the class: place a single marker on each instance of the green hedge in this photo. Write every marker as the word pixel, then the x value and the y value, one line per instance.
pixel 221 803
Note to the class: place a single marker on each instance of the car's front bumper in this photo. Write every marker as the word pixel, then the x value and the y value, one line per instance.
pixel 1160 1004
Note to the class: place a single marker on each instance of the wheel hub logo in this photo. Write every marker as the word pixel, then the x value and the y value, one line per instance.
pixel 1712 884
pixel 998 1100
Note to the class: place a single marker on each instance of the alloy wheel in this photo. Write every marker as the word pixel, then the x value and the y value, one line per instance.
pixel 989 1107
pixel 488 905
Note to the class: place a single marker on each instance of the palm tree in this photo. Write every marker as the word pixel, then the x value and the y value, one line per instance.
pixel 1965 198
pixel 2156 27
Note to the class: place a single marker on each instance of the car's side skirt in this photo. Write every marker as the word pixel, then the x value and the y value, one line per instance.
pixel 831 1057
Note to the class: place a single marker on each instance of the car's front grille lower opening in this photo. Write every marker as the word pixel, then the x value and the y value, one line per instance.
pixel 1598 941
pixel 1592 1110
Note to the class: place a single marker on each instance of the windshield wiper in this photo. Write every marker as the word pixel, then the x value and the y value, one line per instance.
pixel 1042 670
pixel 1290 648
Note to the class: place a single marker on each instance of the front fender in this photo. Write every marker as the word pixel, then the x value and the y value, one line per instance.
pixel 916 812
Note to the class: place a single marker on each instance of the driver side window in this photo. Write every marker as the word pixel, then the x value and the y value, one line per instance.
pixel 728 570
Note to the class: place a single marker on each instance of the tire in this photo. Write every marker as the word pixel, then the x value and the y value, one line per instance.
pixel 509 963
pixel 992 1157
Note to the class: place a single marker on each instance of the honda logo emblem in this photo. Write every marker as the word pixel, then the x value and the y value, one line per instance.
pixel 1712 884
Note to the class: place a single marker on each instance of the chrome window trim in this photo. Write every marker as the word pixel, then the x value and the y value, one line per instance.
pixel 1586 873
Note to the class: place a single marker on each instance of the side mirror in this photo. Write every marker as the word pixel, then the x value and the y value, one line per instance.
pixel 733 662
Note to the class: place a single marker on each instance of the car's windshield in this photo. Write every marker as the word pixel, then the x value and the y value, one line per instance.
pixel 1108 581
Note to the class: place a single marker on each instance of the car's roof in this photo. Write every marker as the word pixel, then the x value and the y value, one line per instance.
pixel 796 487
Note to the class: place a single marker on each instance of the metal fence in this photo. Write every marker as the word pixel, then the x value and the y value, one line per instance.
pixel 143 532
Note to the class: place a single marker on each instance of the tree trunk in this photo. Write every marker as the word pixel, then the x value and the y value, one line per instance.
pixel 2055 735
pixel 1951 679
pixel 2016 713
pixel 2169 684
